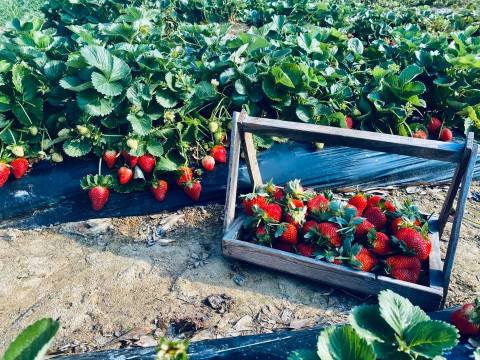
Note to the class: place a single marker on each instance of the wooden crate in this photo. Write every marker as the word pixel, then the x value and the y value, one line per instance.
pixel 429 297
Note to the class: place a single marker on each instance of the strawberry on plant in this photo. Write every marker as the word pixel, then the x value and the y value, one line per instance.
pixel 359 201
pixel 414 242
pixel 125 174
pixel 185 175
pixel 376 217
pixel 363 259
pixel 56 157
pixel 193 189
pixel 213 126
pixel 402 267
pixel 305 249
pixel 219 153
pixel 17 150
pixel 434 125
pixel 446 134
pixel 159 189
pixel 467 319
pixel 19 167
pixel 98 189
pixel 133 144
pixel 379 242
pixel 110 158
pixel 208 162
pixel 253 199
pixel 349 122
pixel 130 159
pixel 287 233
pixel 146 163
pixel 4 173
pixel 420 134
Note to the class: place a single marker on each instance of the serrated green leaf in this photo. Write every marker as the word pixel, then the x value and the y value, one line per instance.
pixel 77 147
pixel 399 312
pixel 368 323
pixel 430 338
pixel 341 343
pixel 165 99
pixel 54 69
pixel 141 125
pixel 4 102
pixel 355 45
pixel 105 86
pixel 303 354
pixel 93 103
pixel 73 83
pixel 409 73
pixel 112 67
pixel 165 163
pixel 155 147
pixel 281 77
pixel 33 342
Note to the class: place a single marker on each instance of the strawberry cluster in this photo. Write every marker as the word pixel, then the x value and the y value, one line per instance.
pixel 366 232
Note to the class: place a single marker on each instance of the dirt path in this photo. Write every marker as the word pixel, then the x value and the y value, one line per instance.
pixel 118 282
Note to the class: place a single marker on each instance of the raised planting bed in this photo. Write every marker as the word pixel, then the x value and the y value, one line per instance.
pixel 430 295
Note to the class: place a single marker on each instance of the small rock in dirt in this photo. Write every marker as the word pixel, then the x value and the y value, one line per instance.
pixel 146 341
pixel 302 323
pixel 239 280
pixel 184 327
pixel 411 189
pixel 244 324
pixel 220 303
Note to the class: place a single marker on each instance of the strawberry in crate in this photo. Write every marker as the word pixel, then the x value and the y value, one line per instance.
pixel 364 232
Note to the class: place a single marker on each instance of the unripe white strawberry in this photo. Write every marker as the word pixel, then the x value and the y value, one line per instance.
pixel 18 151
pixel 57 157
pixel 63 133
pixel 132 144
pixel 83 130
pixel 213 126
pixel 33 130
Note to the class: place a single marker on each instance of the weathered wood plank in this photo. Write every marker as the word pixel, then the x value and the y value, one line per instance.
pixel 435 260
pixel 251 158
pixel 457 222
pixel 457 179
pixel 428 149
pixel 233 163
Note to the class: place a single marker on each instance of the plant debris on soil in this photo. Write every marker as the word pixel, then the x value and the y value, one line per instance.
pixel 128 281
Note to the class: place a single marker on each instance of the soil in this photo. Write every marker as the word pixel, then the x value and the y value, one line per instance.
pixel 127 281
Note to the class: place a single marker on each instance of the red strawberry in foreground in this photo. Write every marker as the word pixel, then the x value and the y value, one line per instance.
pixel 374 200
pixel 309 226
pixel 263 235
pixel 208 162
pixel 273 212
pixel 349 122
pixel 467 319
pixel 414 242
pixel 250 200
pixel 362 229
pixel 360 203
pixel 446 134
pixel 363 259
pixel 110 158
pixel 98 189
pixel 193 189
pixel 420 134
pixel 305 249
pixel 376 217
pixel 318 204
pixel 130 159
pixel 19 167
pixel 159 189
pixel 379 242
pixel 146 163
pixel 402 267
pixel 4 173
pixel 287 233
pixel 219 153
pixel 185 175
pixel 434 125
pixel 125 174
pixel 329 233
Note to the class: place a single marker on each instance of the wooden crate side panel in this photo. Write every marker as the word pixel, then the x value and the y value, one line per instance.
pixel 435 260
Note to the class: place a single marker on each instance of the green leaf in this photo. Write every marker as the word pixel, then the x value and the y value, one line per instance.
pixel 281 77
pixel 4 102
pixel 304 112
pixel 240 87
pixel 141 125
pixel 29 113
pixel 77 147
pixel 409 73
pixel 341 343
pixel 167 164
pixel 33 342
pixel 399 312
pixel 368 323
pixel 105 86
pixel 155 147
pixel 73 83
pixel 54 69
pixel 431 338
pixel 303 354
pixel 94 104
pixel 112 67
pixel 355 45
pixel 166 99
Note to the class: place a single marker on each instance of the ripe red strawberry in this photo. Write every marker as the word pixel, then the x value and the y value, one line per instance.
pixel 329 233
pixel 130 159
pixel 420 134
pixel 318 204
pixel 402 267
pixel 276 192
pixel 125 174
pixel 193 189
pixel 349 122
pixel 305 249
pixel 399 223
pixel 296 204
pixel 263 235
pixel 414 242
pixel 208 162
pixel 110 158
pixel 159 189
pixel 376 217
pixel 360 202
pixel 4 173
pixel 273 212
pixel 467 319
pixel 287 234
pixel 374 200
pixel 446 134
pixel 19 167
pixel 362 229
pixel 379 242
pixel 98 197
pixel 219 153
pixel 281 246
pixel 434 125
pixel 250 200
pixel 364 260
pixel 389 206
pixel 309 226
pixel 146 163
pixel 186 175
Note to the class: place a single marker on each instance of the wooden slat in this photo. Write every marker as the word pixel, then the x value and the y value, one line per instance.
pixel 457 222
pixel 251 158
pixel 453 189
pixel 428 149
pixel 233 163
pixel 435 260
